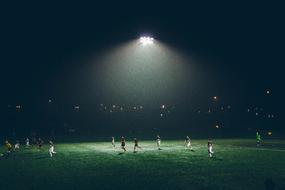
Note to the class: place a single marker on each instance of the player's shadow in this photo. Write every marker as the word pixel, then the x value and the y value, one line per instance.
pixel 121 153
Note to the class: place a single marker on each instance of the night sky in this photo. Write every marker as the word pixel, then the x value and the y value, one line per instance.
pixel 238 50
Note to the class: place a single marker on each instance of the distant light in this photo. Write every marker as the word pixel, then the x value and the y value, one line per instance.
pixel 269 133
pixel 215 98
pixel 49 101
pixel 162 106
pixel 145 40
pixel 114 106
pixel 18 107
pixel 217 126
pixel 161 115
pixel 76 107
pixel 267 92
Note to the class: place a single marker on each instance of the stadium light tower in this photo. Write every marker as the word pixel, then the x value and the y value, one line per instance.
pixel 146 40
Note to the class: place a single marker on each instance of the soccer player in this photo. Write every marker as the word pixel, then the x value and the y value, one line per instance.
pixel 210 148
pixel 8 146
pixel 123 144
pixel 136 145
pixel 188 142
pixel 158 142
pixel 40 143
pixel 51 149
pixel 27 142
pixel 17 145
pixel 258 139
pixel 35 142
pixel 113 142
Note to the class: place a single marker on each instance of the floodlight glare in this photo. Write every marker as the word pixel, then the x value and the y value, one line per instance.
pixel 145 40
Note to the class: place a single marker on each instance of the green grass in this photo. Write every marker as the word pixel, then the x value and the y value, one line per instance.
pixel 238 164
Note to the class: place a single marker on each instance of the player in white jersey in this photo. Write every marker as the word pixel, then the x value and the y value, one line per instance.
pixel 158 142
pixel 27 142
pixel 188 142
pixel 17 145
pixel 210 148
pixel 51 149
pixel 113 142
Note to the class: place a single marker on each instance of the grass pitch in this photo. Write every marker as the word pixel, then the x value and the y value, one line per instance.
pixel 238 164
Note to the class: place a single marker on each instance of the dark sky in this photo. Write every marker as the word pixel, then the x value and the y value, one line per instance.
pixel 242 44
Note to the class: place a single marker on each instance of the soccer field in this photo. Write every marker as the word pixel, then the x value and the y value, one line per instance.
pixel 238 164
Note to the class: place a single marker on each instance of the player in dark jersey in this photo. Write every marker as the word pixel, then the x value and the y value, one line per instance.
pixel 258 139
pixel 8 146
pixel 136 145
pixel 34 142
pixel 40 143
pixel 123 144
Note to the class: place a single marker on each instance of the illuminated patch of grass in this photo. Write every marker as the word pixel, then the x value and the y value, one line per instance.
pixel 238 164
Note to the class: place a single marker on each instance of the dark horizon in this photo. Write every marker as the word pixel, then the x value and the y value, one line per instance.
pixel 236 51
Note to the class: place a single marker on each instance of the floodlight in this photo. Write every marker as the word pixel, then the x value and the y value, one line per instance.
pixel 146 40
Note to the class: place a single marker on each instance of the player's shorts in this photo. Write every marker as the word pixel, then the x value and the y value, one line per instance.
pixel 210 150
